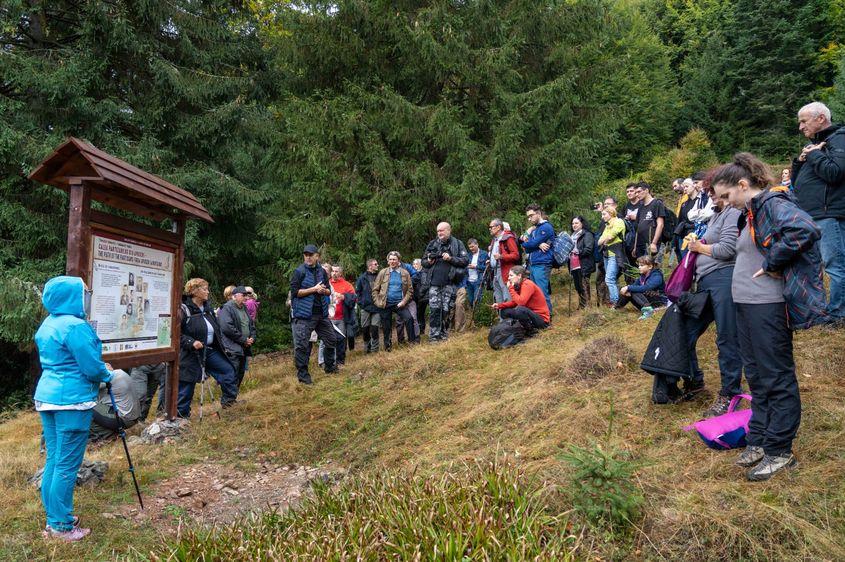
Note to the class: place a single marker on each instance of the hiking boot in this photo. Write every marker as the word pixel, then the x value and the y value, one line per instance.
pixel 647 312
pixel 73 535
pixel 771 465
pixel 692 388
pixel 750 456
pixel 719 407
pixel 305 380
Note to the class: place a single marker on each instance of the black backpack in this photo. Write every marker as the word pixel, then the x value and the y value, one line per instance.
pixel 670 221
pixel 506 333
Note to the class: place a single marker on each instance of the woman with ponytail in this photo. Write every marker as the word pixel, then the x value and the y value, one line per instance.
pixel 777 288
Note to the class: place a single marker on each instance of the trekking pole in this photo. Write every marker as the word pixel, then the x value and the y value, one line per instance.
pixel 202 378
pixel 122 432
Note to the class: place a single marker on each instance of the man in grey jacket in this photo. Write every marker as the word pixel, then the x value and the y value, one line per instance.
pixel 237 332
pixel 714 269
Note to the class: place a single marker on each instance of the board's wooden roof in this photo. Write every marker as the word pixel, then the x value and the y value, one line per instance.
pixel 117 183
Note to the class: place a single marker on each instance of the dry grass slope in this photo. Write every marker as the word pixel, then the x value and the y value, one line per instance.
pixel 429 407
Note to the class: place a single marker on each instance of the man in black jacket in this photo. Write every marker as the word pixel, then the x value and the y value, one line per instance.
pixel 370 313
pixel 447 258
pixel 818 176
pixel 237 332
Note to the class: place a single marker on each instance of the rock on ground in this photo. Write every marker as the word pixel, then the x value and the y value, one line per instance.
pixel 163 431
pixel 90 473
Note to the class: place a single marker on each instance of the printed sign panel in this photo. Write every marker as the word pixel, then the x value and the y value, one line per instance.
pixel 132 282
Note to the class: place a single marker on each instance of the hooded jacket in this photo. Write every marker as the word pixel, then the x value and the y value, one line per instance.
pixel 788 239
pixel 69 349
pixel 509 252
pixel 542 233
pixel 819 181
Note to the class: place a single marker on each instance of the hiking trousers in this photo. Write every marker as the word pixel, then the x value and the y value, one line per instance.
pixel 529 319
pixel 302 351
pixel 65 437
pixel 440 301
pixel 765 343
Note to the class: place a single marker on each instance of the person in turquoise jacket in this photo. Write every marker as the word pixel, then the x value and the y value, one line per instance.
pixel 72 370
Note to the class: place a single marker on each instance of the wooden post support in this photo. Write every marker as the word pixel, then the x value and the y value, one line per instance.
pixel 172 383
pixel 79 230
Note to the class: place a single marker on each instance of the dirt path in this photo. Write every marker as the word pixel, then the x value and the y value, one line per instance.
pixel 215 493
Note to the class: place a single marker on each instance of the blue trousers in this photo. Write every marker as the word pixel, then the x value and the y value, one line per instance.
pixel 722 310
pixel 65 436
pixel 218 366
pixel 611 273
pixel 832 246
pixel 474 290
pixel 540 276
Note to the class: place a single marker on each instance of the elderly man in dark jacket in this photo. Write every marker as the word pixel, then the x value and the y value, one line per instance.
pixel 818 176
pixel 447 258
pixel 237 332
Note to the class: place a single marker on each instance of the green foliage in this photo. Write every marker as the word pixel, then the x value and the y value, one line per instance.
pixel 837 99
pixel 482 513
pixel 694 152
pixel 601 486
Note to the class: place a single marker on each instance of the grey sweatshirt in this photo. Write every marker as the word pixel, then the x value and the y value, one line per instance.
pixel 721 234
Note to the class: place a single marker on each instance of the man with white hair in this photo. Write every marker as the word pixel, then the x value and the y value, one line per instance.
pixel 818 177
pixel 447 258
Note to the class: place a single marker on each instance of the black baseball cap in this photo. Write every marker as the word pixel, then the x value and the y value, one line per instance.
pixel 309 249
pixel 239 289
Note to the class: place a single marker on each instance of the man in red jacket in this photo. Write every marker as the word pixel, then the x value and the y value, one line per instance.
pixel 527 304
pixel 504 254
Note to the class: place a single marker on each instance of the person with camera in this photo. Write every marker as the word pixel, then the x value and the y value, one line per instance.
pixel 447 258
pixel 237 331
pixel 309 289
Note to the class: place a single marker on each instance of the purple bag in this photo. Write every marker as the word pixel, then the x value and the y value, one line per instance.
pixel 727 431
pixel 681 279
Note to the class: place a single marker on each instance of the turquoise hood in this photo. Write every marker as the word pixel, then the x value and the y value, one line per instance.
pixel 68 347
pixel 64 295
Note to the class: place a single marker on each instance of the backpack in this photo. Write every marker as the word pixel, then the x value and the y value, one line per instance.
pixel 561 248
pixel 727 431
pixel 670 222
pixel 630 238
pixel 506 333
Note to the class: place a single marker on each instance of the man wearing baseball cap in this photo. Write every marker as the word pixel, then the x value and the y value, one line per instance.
pixel 237 331
pixel 309 291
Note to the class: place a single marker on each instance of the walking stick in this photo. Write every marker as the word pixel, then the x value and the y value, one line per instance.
pixel 202 379
pixel 122 432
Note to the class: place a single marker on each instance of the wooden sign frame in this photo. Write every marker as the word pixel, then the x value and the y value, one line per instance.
pixel 88 174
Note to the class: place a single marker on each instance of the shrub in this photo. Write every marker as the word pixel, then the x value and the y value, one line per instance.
pixel 601 487
pixel 599 358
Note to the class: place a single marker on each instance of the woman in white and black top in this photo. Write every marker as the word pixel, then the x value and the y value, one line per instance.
pixel 582 262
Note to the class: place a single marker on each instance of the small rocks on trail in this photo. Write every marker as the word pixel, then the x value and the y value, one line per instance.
pixel 162 431
pixel 89 474
pixel 218 493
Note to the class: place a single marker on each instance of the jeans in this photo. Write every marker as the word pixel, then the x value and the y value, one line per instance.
pixel 440 301
pixel 220 368
pixel 765 342
pixel 722 310
pixel 474 290
pixel 540 276
pixel 832 246
pixel 529 319
pixel 302 352
pixel 611 272
pixel 65 436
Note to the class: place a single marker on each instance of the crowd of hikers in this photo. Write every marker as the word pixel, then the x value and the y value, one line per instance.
pixel 748 253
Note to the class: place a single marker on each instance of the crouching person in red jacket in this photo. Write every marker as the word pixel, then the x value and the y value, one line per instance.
pixel 528 303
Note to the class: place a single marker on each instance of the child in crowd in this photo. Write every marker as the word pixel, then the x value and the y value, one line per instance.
pixel 647 292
